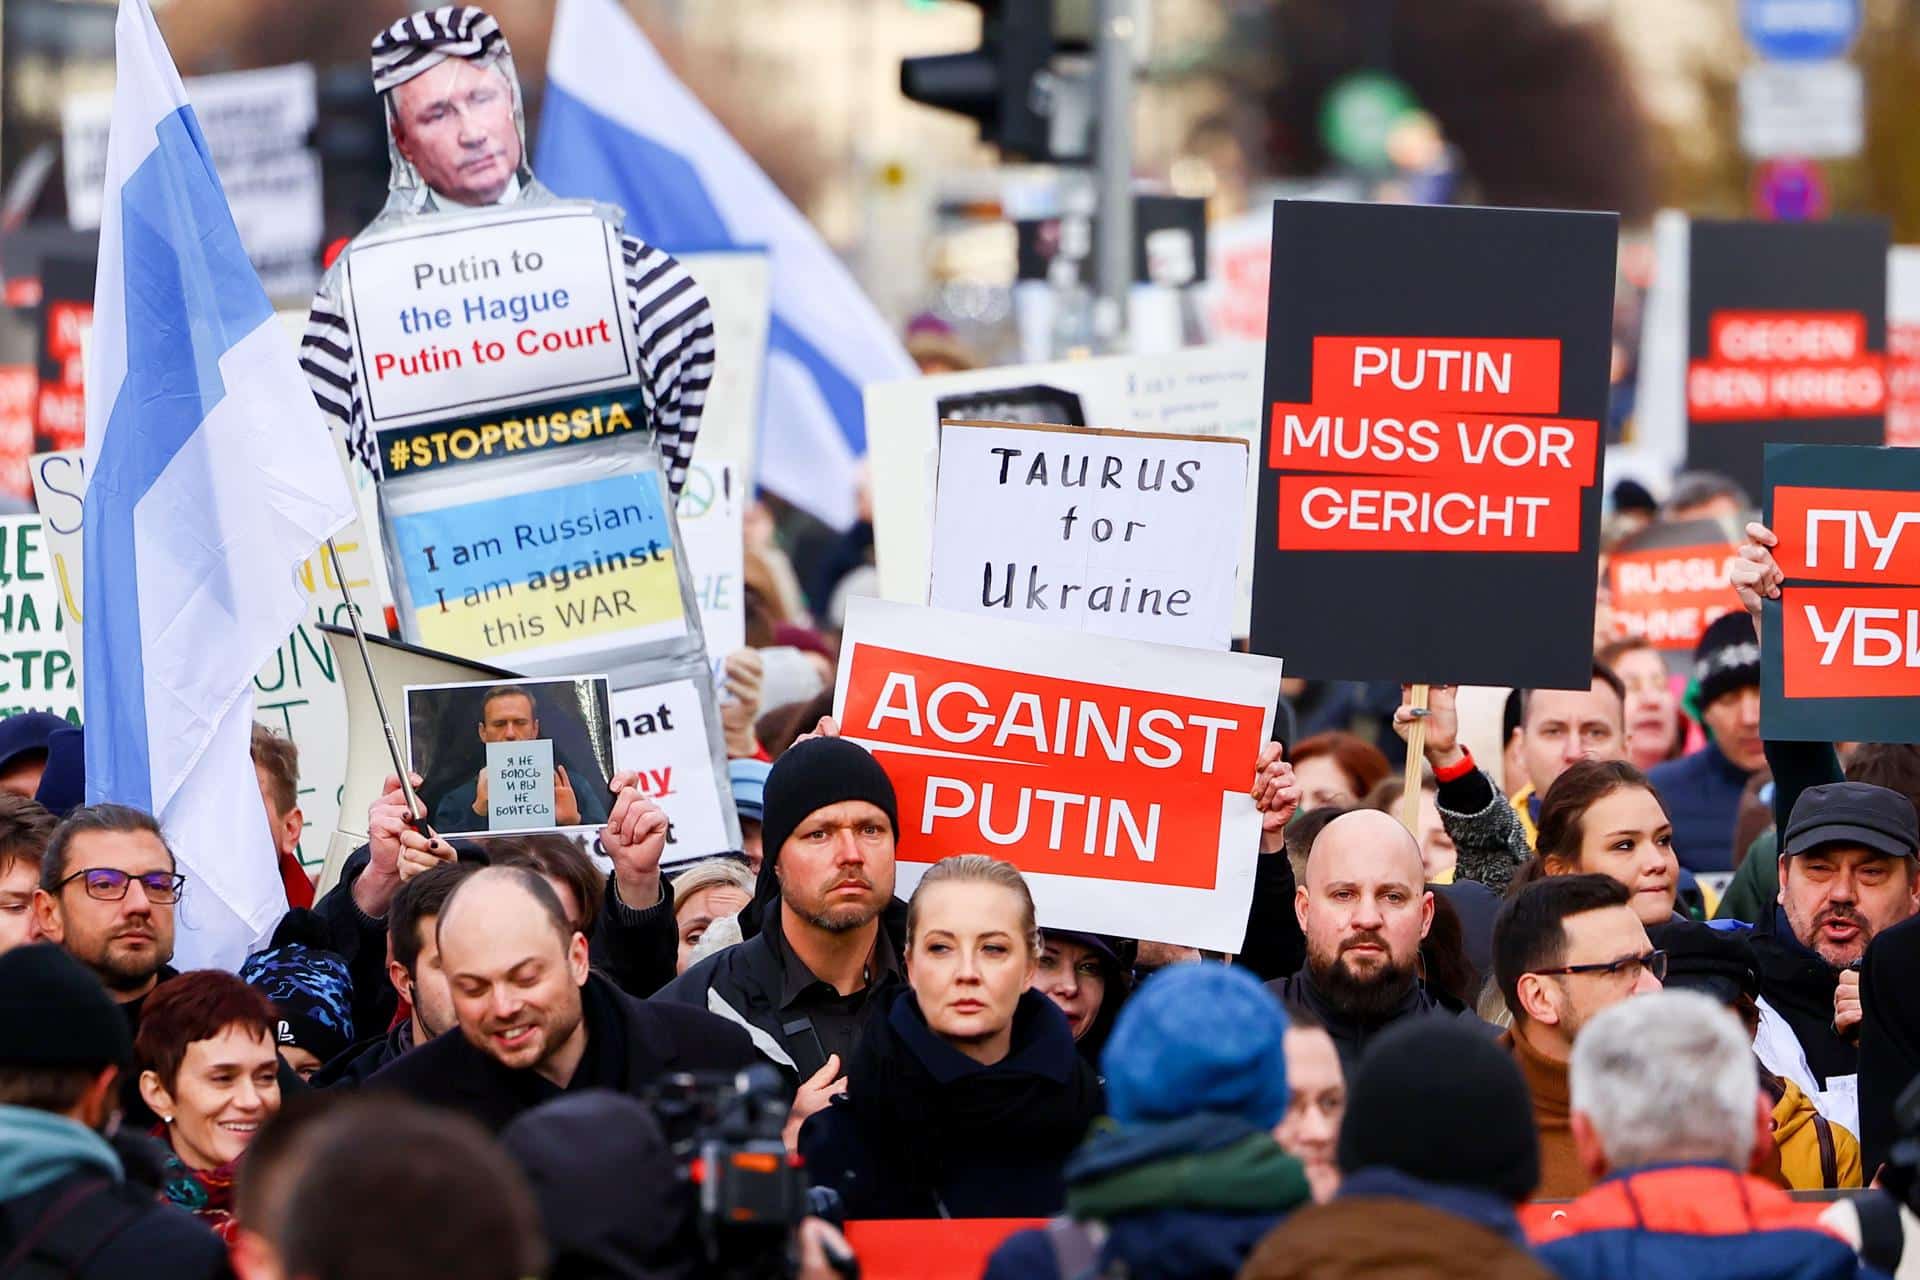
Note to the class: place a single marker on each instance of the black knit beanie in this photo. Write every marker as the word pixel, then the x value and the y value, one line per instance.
pixel 809 776
pixel 1727 658
pixel 1437 1100
pixel 54 1013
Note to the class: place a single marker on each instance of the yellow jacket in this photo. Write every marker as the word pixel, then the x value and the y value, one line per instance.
pixel 1815 1153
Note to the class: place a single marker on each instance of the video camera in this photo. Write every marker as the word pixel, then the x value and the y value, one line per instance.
pixel 725 1132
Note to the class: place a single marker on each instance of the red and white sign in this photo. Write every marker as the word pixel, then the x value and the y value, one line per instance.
pixel 1114 773
pixel 1668 590
pixel 1841 641
pixel 1786 364
pixel 1432 444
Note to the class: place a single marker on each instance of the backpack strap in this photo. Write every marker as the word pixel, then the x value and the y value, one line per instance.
pixel 1829 1154
pixel 64 1240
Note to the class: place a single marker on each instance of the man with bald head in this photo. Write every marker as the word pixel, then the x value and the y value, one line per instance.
pixel 535 1020
pixel 1364 908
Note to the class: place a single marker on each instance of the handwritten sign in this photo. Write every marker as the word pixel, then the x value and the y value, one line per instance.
pixel 1107 532
pixel 1113 773
pixel 36 666
pixel 1840 652
pixel 712 514
pixel 520 785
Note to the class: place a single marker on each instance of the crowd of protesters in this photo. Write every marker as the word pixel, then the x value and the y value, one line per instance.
pixel 1513 1044
pixel 1630 996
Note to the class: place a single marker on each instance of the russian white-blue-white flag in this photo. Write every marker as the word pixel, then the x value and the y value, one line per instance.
pixel 211 479
pixel 616 125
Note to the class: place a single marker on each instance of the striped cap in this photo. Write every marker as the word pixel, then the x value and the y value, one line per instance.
pixel 422 41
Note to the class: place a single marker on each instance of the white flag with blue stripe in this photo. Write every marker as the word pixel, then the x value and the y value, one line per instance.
pixel 211 478
pixel 616 125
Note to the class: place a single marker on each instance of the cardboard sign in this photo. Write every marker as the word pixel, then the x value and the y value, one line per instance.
pixel 1668 582
pixel 660 732
pixel 258 128
pixel 1209 391
pixel 556 767
pixel 1113 773
pixel 520 785
pixel 36 667
pixel 1436 382
pixel 737 283
pixel 1840 652
pixel 712 512
pixel 533 568
pixel 491 335
pixel 1108 532
pixel 1786 339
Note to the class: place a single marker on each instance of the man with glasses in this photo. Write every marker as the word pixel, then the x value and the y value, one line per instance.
pixel 1565 948
pixel 108 886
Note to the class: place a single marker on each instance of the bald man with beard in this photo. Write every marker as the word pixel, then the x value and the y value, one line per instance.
pixel 1364 908
pixel 535 1021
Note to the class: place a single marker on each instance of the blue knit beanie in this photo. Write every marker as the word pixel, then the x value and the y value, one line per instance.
pixel 1198 1037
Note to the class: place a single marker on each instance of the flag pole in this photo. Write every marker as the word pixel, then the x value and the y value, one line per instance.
pixel 373 683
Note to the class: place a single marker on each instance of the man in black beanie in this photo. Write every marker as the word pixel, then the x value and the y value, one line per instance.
pixel 1702 791
pixel 822 942
pixel 69 1203
pixel 1436 1151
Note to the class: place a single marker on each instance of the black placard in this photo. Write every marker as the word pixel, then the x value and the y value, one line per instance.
pixel 1525 291
pixel 1772 308
pixel 1840 651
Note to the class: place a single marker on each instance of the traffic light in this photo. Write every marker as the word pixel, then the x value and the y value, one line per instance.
pixel 1008 84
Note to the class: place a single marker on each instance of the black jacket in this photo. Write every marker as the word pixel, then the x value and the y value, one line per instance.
pixel 1798 985
pixel 356 1066
pixel 112 1228
pixel 1274 945
pixel 1351 1036
pixel 1889 1036
pixel 630 1044
pixel 743 984
pixel 924 1131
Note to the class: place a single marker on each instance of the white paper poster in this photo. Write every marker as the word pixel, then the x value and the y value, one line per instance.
pixel 1115 774
pixel 258 126
pixel 36 666
pixel 520 786
pixel 712 513
pixel 1204 391
pixel 660 733
pixel 1107 532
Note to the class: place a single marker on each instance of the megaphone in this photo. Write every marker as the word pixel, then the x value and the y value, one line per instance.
pixel 395 665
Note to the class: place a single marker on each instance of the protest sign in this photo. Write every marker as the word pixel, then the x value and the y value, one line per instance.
pixel 1786 339
pixel 19 388
pixel 36 667
pixel 557 763
pixel 1110 532
pixel 539 562
pixel 1840 651
pixel 258 129
pixel 712 511
pixel 1436 380
pixel 1903 345
pixel 459 328
pixel 1115 774
pixel 738 286
pixel 1667 582
pixel 297 693
pixel 65 332
pixel 520 786
pixel 1209 391
pixel 667 734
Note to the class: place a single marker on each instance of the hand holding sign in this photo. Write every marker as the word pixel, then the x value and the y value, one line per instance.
pixel 566 808
pixel 1277 795
pixel 1755 575
pixel 1442 746
pixel 744 670
pixel 635 837
pixel 393 834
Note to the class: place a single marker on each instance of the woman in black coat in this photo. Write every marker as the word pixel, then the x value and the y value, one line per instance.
pixel 966 1097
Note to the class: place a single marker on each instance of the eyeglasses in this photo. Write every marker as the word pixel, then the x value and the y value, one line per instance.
pixel 110 885
pixel 1654 962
